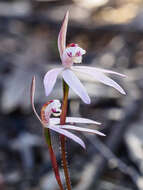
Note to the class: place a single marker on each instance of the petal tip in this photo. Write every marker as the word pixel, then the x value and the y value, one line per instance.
pixel 67 13
pixel 125 76
pixel 123 92
pixel 33 79
pixel 87 101
pixel 83 145
pixel 101 134
pixel 97 123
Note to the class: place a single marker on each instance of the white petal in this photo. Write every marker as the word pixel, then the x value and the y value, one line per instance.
pixel 110 72
pixel 54 121
pixel 62 35
pixel 74 120
pixel 82 76
pixel 81 120
pixel 101 70
pixel 75 84
pixel 81 129
pixel 50 79
pixel 99 76
pixel 32 99
pixel 67 134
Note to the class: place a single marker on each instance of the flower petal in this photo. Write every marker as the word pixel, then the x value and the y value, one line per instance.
pixel 32 93
pixel 54 120
pixel 50 79
pixel 81 120
pixel 110 72
pixel 62 35
pixel 74 120
pixel 81 129
pixel 99 76
pixel 75 84
pixel 101 70
pixel 67 134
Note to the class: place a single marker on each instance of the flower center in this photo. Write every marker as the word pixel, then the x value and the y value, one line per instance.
pixel 73 54
pixel 51 107
pixel 55 108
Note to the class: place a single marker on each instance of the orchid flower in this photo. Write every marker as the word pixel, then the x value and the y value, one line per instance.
pixel 53 108
pixel 69 56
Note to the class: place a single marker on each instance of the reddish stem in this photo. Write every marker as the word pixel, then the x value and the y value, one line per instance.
pixel 62 138
pixel 53 157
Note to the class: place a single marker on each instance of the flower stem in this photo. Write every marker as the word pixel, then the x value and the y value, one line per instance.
pixel 53 157
pixel 63 138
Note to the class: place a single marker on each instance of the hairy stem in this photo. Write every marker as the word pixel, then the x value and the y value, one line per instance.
pixel 63 138
pixel 53 157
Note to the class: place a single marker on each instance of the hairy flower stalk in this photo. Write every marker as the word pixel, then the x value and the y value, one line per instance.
pixel 53 158
pixel 62 137
pixel 47 136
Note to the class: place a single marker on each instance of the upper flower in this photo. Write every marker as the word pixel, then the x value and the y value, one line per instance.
pixel 73 54
pixel 53 107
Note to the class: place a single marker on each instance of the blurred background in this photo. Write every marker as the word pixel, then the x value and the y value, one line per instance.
pixel 111 31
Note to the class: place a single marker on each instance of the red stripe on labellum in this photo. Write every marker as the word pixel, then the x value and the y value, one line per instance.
pixel 78 53
pixel 69 54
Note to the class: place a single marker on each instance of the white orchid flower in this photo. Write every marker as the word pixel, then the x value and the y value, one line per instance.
pixel 71 55
pixel 53 107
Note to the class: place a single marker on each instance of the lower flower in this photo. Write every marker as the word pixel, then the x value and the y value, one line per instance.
pixel 53 108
